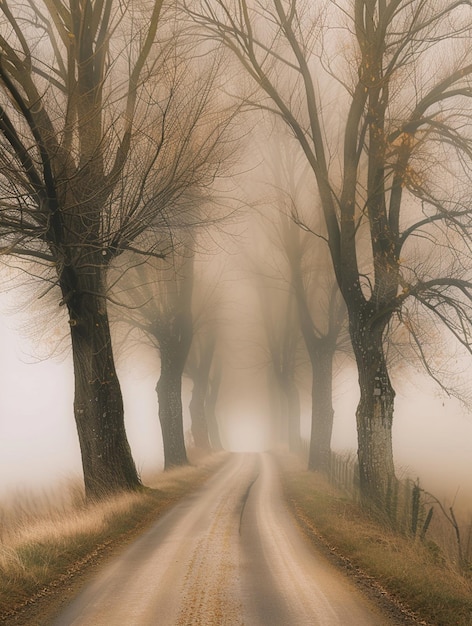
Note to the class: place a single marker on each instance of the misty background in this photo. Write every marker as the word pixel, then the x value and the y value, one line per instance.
pixel 39 449
pixel 231 222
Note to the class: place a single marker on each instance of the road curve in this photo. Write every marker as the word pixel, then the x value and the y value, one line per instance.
pixel 228 555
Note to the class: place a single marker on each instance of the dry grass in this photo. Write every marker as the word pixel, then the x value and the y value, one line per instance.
pixel 49 537
pixel 414 572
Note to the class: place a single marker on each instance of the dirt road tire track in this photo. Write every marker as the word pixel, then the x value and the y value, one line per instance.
pixel 228 555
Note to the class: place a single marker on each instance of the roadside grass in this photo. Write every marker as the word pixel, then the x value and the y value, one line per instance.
pixel 412 572
pixel 45 540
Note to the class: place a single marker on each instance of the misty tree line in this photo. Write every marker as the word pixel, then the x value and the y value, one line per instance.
pixel 119 125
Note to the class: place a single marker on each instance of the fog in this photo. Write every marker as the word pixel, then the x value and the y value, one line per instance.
pixel 39 447
pixel 432 435
pixel 242 209
pixel 38 439
pixel 39 450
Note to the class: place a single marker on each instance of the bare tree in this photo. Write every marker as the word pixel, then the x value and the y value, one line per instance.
pixel 207 317
pixel 63 150
pixel 155 297
pixel 198 369
pixel 322 317
pixel 172 329
pixel 314 311
pixel 95 150
pixel 391 170
pixel 211 400
pixel 279 339
pixel 311 282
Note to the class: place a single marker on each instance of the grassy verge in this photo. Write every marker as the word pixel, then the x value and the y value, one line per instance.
pixel 45 551
pixel 411 572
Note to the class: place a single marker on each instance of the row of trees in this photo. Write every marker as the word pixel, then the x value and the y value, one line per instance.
pixel 110 140
pixel 384 131
pixel 114 130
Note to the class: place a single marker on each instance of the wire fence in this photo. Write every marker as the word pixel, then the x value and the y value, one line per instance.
pixel 411 511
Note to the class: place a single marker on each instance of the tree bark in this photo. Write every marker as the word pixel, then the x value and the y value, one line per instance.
pixel 322 412
pixel 210 410
pixel 293 416
pixel 197 413
pixel 374 413
pixel 108 465
pixel 278 409
pixel 200 374
pixel 321 350
pixel 169 394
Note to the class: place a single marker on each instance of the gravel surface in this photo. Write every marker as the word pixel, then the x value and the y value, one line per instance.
pixel 230 554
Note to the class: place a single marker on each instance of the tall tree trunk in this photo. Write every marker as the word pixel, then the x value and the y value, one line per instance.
pixel 197 413
pixel 107 462
pixel 278 409
pixel 200 375
pixel 169 394
pixel 375 410
pixel 293 415
pixel 321 350
pixel 210 411
pixel 290 405
pixel 322 415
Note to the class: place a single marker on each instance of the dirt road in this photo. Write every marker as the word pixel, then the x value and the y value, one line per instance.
pixel 228 555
